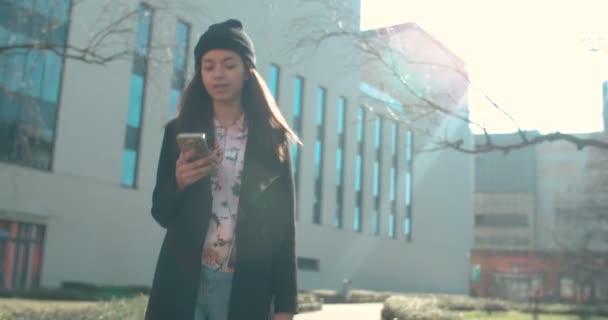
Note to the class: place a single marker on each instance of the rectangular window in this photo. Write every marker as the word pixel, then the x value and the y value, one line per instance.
pixel 21 252
pixel 409 167
pixel 182 38
pixel 406 228
pixel 358 218
pixel 30 80
pixel 393 182
pixel 298 96
pixel 273 82
pixel 391 225
pixel 136 98
pixel 377 183
pixel 408 189
pixel 318 160
pixel 358 172
pixel 340 162
pixel 378 132
pixel 309 264
pixel 317 213
pixel 409 145
pixel 376 215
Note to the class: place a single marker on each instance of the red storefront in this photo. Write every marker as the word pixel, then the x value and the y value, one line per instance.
pixel 550 276
pixel 21 249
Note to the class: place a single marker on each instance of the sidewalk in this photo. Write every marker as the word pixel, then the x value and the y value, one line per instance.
pixel 367 311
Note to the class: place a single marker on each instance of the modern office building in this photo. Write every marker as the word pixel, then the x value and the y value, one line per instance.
pixel 79 144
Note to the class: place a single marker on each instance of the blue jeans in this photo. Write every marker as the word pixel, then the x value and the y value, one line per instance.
pixel 213 295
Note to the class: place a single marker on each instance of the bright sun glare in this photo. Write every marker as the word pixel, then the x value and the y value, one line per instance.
pixel 531 57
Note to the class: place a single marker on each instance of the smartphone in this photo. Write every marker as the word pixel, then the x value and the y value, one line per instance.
pixel 194 141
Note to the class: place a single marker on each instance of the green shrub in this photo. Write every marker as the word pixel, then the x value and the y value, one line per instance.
pixel 308 302
pixel 127 309
pixel 415 308
pixel 77 291
pixel 365 296
pixel 51 294
pixel 465 303
pixel 565 309
pixel 114 309
pixel 356 296
pixel 327 296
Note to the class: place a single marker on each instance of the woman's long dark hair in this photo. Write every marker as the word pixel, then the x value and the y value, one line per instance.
pixel 267 126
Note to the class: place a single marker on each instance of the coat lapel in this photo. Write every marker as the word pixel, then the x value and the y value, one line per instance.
pixel 259 172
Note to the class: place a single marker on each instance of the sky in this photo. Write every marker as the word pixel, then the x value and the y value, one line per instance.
pixel 532 57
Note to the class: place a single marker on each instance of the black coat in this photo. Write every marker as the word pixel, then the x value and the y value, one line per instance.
pixel 265 269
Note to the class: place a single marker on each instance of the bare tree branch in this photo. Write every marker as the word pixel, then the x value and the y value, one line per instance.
pixel 490 146
pixel 375 45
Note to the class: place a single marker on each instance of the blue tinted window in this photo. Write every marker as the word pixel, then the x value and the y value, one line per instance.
pixel 391 225
pixel 408 146
pixel 339 165
pixel 14 71
pixel 294 157
pixel 53 9
pixel 129 162
pixel 182 36
pixel 357 219
pixel 320 106
pixel 33 73
pixel 135 101
pixel 318 159
pixel 136 98
pixel 273 82
pixel 52 69
pixel 376 177
pixel 179 66
pixel 341 105
pixel 360 119
pixel 173 102
pixel 378 132
pixel 392 183
pixel 408 189
pixel 32 76
pixel 143 30
pixel 406 226
pixel 358 171
pixel 297 95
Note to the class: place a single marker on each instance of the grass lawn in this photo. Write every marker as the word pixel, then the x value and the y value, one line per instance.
pixel 22 304
pixel 522 316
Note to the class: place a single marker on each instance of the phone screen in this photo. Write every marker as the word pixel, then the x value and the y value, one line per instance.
pixel 194 141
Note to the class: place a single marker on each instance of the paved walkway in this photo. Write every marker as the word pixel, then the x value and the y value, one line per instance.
pixel 367 311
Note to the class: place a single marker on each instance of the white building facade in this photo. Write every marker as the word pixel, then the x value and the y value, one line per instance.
pixel 76 178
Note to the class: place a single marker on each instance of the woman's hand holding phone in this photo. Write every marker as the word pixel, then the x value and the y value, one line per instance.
pixel 190 169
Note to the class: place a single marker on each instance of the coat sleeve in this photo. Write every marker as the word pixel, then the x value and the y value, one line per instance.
pixel 166 197
pixel 285 277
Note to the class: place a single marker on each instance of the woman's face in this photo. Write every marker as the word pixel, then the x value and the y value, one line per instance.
pixel 223 73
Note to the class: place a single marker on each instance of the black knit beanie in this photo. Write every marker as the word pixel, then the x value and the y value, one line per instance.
pixel 225 35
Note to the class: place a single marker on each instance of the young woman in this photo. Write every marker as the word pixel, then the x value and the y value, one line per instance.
pixel 229 247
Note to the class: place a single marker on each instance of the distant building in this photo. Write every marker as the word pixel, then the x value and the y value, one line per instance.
pixel 541 221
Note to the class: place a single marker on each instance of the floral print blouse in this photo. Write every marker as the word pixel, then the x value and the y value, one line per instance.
pixel 219 249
